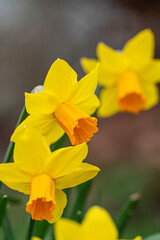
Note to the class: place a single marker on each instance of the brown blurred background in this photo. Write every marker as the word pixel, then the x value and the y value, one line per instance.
pixel 33 33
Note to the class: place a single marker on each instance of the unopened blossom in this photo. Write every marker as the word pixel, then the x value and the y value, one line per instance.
pixel 64 105
pixel 42 174
pixel 97 224
pixel 128 76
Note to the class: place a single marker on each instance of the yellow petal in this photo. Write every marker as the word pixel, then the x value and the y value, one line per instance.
pixel 114 61
pixel 61 201
pixel 60 79
pixel 84 96
pixel 55 132
pixel 15 176
pixel 31 148
pixel 86 86
pixel 151 73
pixel 107 76
pixel 46 124
pixel 151 94
pixel 66 229
pixel 140 49
pixel 90 105
pixel 109 103
pixel 82 174
pixel 88 64
pixel 65 160
pixel 98 224
pixel 40 103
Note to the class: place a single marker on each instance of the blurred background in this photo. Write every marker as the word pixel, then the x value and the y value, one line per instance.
pixel 34 33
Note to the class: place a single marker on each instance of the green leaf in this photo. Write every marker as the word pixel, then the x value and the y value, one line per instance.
pixel 153 237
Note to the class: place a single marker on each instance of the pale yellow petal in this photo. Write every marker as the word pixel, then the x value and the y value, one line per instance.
pixel 86 86
pixel 140 49
pixel 109 105
pixel 88 64
pixel 90 105
pixel 61 201
pixel 113 60
pixel 16 176
pixel 67 229
pixel 40 103
pixel 151 73
pixel 98 224
pixel 151 94
pixel 82 174
pixel 60 79
pixel 31 148
pixel 65 160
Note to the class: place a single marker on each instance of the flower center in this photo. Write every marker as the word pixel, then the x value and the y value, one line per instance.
pixel 130 95
pixel 41 202
pixel 79 126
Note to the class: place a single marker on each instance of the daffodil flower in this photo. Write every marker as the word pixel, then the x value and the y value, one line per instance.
pixel 43 174
pixel 128 77
pixel 64 105
pixel 97 224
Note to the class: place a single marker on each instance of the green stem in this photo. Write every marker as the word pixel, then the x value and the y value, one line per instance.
pixel 40 228
pixel 50 233
pixel 7 229
pixel 30 229
pixel 127 211
pixel 10 148
pixel 82 192
pixel 3 205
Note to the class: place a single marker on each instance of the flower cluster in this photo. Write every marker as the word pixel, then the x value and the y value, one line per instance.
pixel 65 105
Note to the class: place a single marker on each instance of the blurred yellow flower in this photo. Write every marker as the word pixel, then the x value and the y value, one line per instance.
pixel 128 77
pixel 97 224
pixel 36 238
pixel 64 105
pixel 42 174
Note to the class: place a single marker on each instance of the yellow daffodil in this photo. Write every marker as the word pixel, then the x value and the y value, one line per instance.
pixel 43 174
pixel 97 224
pixel 128 77
pixel 64 105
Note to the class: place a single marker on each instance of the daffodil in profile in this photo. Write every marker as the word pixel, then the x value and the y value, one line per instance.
pixel 128 77
pixel 43 174
pixel 97 224
pixel 64 105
